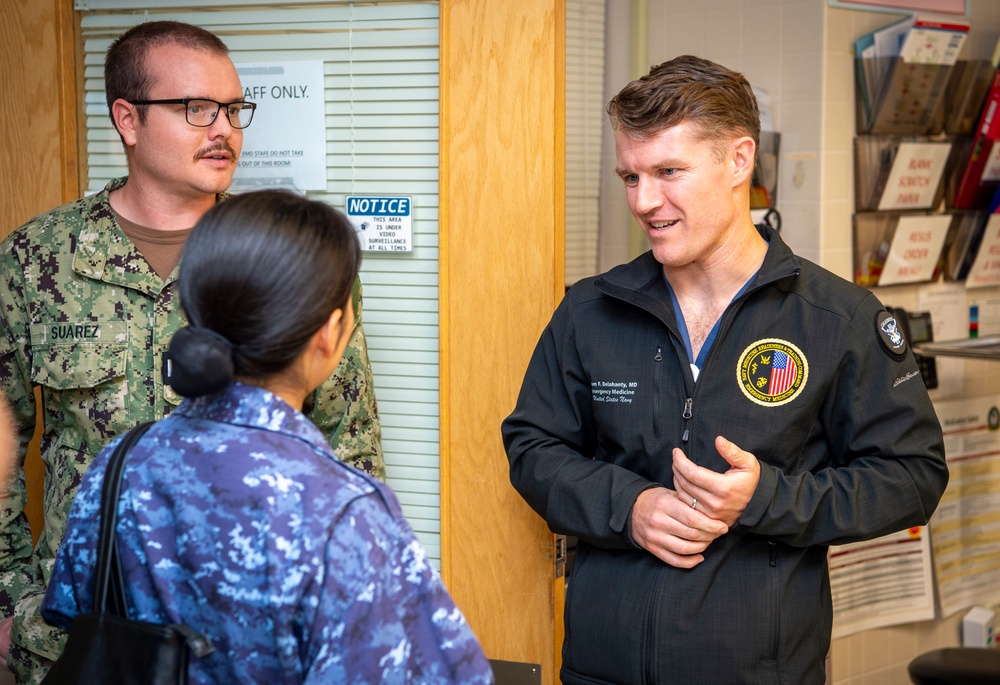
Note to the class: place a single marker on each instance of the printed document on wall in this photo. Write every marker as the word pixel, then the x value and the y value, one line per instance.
pixel 966 524
pixel 285 144
pixel 881 582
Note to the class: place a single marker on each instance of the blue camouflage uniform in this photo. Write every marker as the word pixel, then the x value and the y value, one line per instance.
pixel 85 320
pixel 237 519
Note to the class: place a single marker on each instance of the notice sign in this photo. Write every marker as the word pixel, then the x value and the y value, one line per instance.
pixel 285 144
pixel 916 246
pixel 384 223
pixel 915 176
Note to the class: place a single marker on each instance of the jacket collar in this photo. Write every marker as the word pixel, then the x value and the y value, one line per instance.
pixel 254 407
pixel 641 280
pixel 104 253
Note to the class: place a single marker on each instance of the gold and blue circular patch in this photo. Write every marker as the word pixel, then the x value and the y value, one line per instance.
pixel 772 372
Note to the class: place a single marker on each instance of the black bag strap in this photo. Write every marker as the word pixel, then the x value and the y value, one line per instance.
pixel 109 580
pixel 107 558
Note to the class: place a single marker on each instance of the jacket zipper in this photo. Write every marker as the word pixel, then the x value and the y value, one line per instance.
pixel 686 415
pixel 656 390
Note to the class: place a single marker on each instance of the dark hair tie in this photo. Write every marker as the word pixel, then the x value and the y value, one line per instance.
pixel 199 362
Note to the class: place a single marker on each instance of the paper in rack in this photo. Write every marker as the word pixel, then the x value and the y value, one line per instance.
pixel 967 88
pixel 896 174
pixel 980 264
pixel 893 248
pixel 903 92
pixel 985 269
pixel 872 236
pixel 915 250
pixel 963 239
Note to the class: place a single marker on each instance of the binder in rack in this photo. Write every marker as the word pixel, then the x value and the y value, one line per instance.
pixel 980 176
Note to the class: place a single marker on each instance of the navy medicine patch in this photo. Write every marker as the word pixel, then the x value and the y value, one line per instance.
pixel 891 334
pixel 772 372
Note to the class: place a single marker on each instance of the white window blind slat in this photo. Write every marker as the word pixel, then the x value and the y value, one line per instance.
pixel 381 84
pixel 423 456
pixel 405 369
pixel 402 330
pixel 412 355
pixel 212 18
pixel 404 395
pixel 364 148
pixel 425 517
pixel 411 475
pixel 429 79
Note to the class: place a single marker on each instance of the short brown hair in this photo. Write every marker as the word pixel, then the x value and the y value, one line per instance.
pixel 125 72
pixel 687 88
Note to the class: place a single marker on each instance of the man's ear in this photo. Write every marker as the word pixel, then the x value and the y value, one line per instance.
pixel 126 120
pixel 743 153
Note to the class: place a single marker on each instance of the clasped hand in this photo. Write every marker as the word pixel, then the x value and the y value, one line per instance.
pixel 665 523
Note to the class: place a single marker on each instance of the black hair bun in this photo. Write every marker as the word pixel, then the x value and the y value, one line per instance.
pixel 199 362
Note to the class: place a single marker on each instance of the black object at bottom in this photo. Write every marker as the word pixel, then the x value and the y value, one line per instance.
pixel 957 666
pixel 516 672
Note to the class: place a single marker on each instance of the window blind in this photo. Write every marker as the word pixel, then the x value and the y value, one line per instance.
pixel 381 80
pixel 584 119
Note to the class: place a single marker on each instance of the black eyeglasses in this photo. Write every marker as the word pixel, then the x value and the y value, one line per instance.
pixel 202 112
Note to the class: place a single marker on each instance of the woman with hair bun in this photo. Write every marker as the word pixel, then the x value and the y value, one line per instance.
pixel 236 518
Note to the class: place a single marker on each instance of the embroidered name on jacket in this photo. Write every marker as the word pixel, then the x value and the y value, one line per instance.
pixel 621 392
pixel 772 372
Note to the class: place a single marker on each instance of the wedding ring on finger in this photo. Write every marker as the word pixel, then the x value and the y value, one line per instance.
pixel 694 503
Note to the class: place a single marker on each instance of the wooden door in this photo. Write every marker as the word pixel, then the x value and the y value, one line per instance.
pixel 502 142
pixel 38 127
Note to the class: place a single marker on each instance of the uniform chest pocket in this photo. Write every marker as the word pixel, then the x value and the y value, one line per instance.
pixel 68 356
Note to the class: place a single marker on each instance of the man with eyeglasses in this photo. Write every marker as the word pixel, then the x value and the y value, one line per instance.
pixel 88 304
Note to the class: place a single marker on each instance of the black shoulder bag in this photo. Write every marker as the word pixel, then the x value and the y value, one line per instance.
pixel 105 646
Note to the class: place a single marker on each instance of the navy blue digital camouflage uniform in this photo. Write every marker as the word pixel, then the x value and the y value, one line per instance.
pixel 236 519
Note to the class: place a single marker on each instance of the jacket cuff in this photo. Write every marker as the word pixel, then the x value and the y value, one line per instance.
pixel 626 526
pixel 760 501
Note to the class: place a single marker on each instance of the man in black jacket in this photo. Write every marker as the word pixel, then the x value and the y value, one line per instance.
pixel 710 417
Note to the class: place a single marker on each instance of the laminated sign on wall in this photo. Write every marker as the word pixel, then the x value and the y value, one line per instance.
pixel 285 145
pixel 384 223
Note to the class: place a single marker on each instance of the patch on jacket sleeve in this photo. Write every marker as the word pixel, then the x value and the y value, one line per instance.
pixel 772 372
pixel 890 334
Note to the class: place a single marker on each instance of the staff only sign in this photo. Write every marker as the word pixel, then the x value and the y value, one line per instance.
pixel 285 145
pixel 384 223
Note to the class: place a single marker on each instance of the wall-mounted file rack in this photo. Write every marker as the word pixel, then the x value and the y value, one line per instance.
pixel 902 76
pixel 910 100
pixel 927 172
pixel 764 187
pixel 967 88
